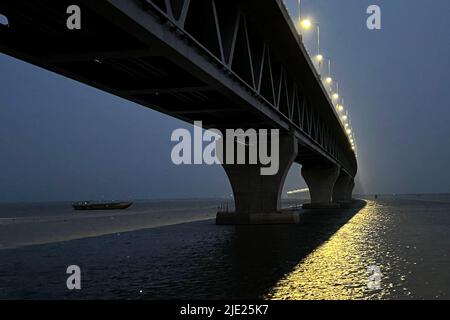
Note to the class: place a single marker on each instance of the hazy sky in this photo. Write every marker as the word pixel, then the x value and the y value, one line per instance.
pixel 61 140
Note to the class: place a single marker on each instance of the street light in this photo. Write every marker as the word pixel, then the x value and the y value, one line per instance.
pixel 329 79
pixel 335 95
pixel 306 24
pixel 319 57
pixel 302 23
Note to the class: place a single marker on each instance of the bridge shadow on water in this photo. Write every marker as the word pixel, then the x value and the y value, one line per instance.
pixel 262 255
pixel 250 260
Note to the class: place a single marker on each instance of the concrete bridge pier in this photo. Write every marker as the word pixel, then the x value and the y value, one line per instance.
pixel 321 181
pixel 343 188
pixel 257 197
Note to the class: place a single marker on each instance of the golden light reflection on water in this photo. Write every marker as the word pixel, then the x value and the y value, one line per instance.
pixel 338 268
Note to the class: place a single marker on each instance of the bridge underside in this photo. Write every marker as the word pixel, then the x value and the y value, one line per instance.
pixel 207 64
pixel 105 56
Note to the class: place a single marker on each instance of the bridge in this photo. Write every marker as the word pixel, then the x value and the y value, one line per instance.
pixel 230 64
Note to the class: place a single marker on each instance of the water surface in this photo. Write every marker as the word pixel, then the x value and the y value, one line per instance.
pixel 324 257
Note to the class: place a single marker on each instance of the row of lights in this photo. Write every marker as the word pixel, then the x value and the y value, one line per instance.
pixel 306 24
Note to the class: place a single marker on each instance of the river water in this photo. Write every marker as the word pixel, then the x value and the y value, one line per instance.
pixel 326 256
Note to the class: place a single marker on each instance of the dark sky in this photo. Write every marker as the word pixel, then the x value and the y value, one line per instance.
pixel 61 140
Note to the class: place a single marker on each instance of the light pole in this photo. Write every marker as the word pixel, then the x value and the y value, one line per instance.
pixel 329 79
pixel 319 56
pixel 300 23
pixel 335 95
pixel 306 25
pixel 340 107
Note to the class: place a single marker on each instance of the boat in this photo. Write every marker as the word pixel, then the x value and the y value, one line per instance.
pixel 88 205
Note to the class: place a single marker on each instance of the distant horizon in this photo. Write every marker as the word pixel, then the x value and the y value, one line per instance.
pixel 203 198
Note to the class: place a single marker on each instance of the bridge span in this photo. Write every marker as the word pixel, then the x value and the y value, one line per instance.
pixel 230 64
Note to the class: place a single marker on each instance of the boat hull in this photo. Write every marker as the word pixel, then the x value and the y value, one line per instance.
pixel 102 206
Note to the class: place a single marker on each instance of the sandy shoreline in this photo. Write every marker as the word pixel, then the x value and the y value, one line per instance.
pixel 18 232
